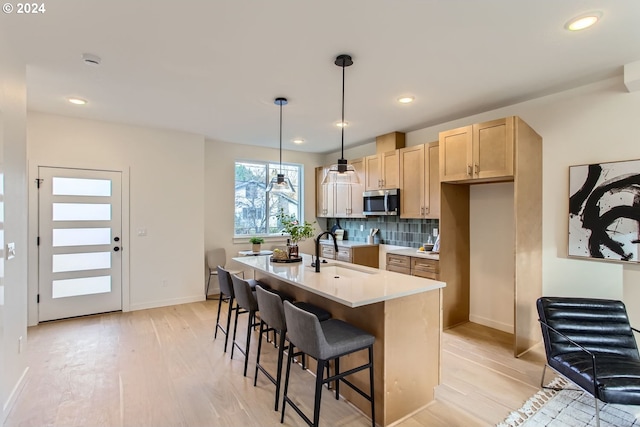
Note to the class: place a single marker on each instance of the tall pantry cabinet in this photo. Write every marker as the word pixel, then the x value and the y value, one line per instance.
pixel 500 150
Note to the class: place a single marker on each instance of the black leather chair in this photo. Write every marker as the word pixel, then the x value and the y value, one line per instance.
pixel 591 343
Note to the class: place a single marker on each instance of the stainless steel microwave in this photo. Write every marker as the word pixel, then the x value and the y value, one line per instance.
pixel 381 202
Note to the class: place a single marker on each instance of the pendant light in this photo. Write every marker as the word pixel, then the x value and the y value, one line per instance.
pixel 280 183
pixel 342 172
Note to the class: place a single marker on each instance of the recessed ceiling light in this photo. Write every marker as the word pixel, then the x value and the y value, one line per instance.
pixel 583 21
pixel 406 99
pixel 298 141
pixel 342 124
pixel 77 101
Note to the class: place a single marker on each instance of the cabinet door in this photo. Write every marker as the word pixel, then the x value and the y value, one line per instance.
pixel 432 186
pixel 322 194
pixel 342 199
pixel 493 148
pixel 390 174
pixel 357 190
pixel 456 154
pixel 412 181
pixel 372 168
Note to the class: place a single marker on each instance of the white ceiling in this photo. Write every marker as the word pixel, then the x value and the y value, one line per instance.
pixel 214 67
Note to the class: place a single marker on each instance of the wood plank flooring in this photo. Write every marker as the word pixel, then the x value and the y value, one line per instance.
pixel 161 367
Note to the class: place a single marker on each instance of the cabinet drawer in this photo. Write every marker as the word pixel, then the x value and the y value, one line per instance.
pixel 398 261
pixel 429 268
pixel 344 254
pixel 328 252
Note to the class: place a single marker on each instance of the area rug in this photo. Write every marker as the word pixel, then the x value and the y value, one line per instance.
pixel 569 408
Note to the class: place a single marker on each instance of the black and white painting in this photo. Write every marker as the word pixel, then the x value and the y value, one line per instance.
pixel 604 210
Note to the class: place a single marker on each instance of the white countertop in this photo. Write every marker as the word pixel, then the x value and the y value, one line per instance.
pixel 414 252
pixel 346 243
pixel 348 284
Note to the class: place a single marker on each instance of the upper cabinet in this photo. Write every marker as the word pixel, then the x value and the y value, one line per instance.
pixel 420 181
pixel 342 199
pixel 483 151
pixel 382 171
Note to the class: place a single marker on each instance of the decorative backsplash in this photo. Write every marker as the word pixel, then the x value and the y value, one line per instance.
pixel 393 230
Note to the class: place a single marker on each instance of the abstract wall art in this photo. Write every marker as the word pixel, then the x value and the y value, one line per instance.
pixel 604 211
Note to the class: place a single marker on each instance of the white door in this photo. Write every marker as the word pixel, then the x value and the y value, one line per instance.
pixel 79 242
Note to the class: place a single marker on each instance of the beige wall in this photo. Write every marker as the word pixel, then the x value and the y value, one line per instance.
pixel 589 124
pixel 165 172
pixel 13 225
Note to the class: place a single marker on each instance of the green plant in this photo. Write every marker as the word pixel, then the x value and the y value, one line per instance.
pixel 291 226
pixel 256 240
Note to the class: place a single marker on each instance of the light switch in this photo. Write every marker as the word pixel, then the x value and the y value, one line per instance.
pixel 142 232
pixel 11 250
pixel 435 232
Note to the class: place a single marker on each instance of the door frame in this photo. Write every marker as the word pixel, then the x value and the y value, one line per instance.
pixel 32 247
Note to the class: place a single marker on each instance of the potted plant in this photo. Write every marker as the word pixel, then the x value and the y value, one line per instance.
pixel 255 243
pixel 296 230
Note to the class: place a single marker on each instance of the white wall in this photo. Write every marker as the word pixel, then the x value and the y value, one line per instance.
pixel 219 194
pixel 590 124
pixel 166 187
pixel 492 267
pixel 13 225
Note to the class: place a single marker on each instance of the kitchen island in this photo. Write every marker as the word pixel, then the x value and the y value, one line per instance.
pixel 402 312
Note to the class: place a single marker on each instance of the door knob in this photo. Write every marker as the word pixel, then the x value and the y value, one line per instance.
pixel 116 249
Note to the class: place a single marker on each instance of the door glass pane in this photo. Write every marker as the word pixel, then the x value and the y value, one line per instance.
pixel 82 286
pixel 81 187
pixel 81 236
pixel 80 262
pixel 81 212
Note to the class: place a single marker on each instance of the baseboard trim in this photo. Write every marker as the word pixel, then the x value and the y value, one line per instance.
pixel 491 323
pixel 13 396
pixel 166 302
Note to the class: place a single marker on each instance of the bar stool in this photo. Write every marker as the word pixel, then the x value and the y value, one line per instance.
pixel 326 341
pixel 226 294
pixel 272 319
pixel 247 303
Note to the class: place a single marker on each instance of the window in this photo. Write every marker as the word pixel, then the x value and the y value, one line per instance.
pixel 255 210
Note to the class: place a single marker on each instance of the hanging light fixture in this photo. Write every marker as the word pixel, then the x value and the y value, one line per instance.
pixel 342 171
pixel 280 183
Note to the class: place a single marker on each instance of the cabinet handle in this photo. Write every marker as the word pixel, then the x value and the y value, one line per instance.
pixel 426 210
pixel 477 168
pixel 469 170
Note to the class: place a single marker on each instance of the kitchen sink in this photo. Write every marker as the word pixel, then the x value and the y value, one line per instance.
pixel 348 270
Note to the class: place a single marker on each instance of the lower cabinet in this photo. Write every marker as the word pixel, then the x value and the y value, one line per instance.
pixel 362 255
pixel 415 266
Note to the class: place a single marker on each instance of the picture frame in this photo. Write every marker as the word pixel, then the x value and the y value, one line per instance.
pixel 604 211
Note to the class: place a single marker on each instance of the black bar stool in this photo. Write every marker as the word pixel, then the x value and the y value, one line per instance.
pixel 326 341
pixel 272 319
pixel 247 303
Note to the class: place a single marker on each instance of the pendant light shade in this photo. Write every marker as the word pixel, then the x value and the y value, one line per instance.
pixel 342 172
pixel 280 183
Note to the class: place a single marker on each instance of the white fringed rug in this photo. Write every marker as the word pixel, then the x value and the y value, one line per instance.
pixel 569 408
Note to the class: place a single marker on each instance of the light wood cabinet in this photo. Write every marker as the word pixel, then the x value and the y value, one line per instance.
pixel 415 266
pixel 420 181
pixel 340 199
pixel 382 171
pixel 482 151
pixel 361 255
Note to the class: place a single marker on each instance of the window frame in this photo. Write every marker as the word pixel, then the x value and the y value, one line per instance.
pixel 269 166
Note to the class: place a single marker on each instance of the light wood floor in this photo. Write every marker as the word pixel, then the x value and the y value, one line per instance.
pixel 161 367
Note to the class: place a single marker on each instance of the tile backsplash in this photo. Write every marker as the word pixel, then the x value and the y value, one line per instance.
pixel 393 230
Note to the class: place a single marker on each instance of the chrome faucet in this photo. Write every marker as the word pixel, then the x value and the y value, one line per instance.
pixel 335 243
